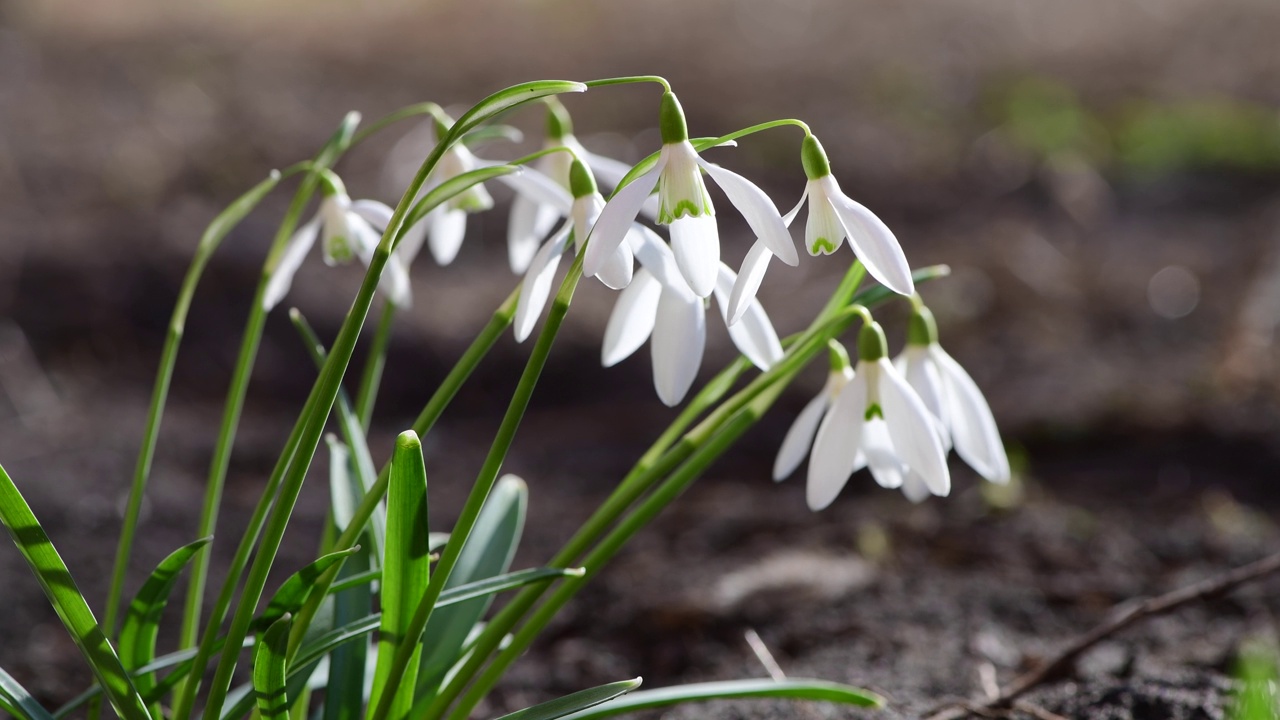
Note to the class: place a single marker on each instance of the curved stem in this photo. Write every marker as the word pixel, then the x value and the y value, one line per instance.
pixel 626 80
pixel 480 490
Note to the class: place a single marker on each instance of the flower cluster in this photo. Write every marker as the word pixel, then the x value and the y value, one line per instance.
pixel 898 419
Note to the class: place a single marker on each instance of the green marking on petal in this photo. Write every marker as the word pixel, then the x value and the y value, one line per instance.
pixel 874 411
pixel 821 246
pixel 338 250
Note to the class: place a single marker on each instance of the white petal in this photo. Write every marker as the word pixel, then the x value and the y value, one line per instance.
pixel 538 187
pixel 679 337
pixel 378 214
pixel 915 488
pixel 656 257
pixel 696 244
pixel 294 253
pixel 537 283
pixel 911 429
pixel 617 270
pixel 921 373
pixel 632 319
pixel 448 227
pixel 394 283
pixel 973 428
pixel 758 210
pixel 411 241
pixel 873 242
pixel 750 275
pixel 616 218
pixel 881 457
pixel 799 437
pixel 522 231
pixel 791 216
pixel 754 336
pixel 837 445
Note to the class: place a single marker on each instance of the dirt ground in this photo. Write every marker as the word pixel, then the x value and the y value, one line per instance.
pixel 1140 408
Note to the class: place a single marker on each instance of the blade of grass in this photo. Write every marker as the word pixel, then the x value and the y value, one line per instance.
pixel 269 672
pixel 15 700
pixel 295 590
pixel 576 702
pixel 60 588
pixel 792 688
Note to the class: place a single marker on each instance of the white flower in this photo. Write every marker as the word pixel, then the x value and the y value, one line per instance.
pixel 616 274
pixel 683 204
pixel 963 416
pixel 833 217
pixel 877 421
pixel 659 304
pixel 799 437
pixel 347 229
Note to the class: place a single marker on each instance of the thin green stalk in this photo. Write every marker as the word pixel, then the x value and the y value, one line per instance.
pixel 630 79
pixel 426 420
pixel 484 482
pixel 371 378
pixel 669 490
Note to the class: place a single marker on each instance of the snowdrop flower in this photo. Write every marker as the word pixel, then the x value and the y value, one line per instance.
pixel 833 217
pixel 616 274
pixel 877 421
pixel 531 219
pixel 683 204
pixel 660 306
pixel 347 229
pixel 963 417
pixel 799 437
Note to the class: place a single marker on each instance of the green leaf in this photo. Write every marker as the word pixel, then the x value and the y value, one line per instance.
pixel 487 553
pixel 450 188
pixel 297 589
pixel 68 602
pixel 142 621
pixel 15 700
pixel 510 98
pixel 794 688
pixel 579 701
pixel 344 695
pixel 269 671
pixel 405 571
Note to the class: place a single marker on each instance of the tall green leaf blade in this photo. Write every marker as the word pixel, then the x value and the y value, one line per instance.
pixel 68 602
pixel 297 589
pixel 793 688
pixel 344 696
pixel 269 671
pixel 487 553
pixel 576 702
pixel 142 620
pixel 509 98
pixel 15 700
pixel 405 571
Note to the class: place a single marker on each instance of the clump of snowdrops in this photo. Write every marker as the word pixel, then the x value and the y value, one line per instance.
pixel 390 622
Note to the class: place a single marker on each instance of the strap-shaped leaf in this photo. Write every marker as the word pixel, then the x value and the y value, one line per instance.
pixel 15 700
pixel 509 98
pixel 344 693
pixel 142 621
pixel 405 571
pixel 569 704
pixel 297 588
pixel 269 671
pixel 488 553
pixel 68 602
pixel 793 688
pixel 452 187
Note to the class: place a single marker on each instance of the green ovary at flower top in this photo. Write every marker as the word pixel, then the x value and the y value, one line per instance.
pixel 686 208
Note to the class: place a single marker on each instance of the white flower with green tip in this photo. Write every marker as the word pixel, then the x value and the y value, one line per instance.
pixel 878 422
pixel 348 229
pixel 799 438
pixel 536 288
pixel 964 419
pixel 684 205
pixel 660 307
pixel 833 218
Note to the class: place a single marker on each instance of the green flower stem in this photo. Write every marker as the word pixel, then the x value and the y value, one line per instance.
pixel 655 463
pixel 371 378
pixel 425 108
pixel 484 483
pixel 426 420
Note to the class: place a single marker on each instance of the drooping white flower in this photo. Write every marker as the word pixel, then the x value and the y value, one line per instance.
pixel 348 229
pixel 964 419
pixel 536 288
pixel 879 422
pixel 799 438
pixel 531 219
pixel 683 204
pixel 659 306
pixel 833 217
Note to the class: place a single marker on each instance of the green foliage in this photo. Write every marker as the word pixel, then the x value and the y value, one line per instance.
pixel 1256 676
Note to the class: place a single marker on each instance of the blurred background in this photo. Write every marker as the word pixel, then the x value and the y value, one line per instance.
pixel 1102 177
